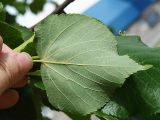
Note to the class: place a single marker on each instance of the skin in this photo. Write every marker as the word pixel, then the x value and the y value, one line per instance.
pixel 13 74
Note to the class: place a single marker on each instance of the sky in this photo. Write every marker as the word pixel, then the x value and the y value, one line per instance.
pixel 30 19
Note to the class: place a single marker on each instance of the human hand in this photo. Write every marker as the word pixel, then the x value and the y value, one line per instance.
pixel 13 74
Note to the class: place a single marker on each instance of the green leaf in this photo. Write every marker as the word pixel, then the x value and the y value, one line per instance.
pixel 21 7
pixel 8 2
pixel 146 117
pixel 25 44
pixel 2 13
pixel 80 65
pixel 37 5
pixel 79 117
pixel 105 116
pixel 37 82
pixel 1 6
pixel 114 109
pixel 11 36
pixel 25 32
pixel 141 93
pixel 28 36
pixel 10 19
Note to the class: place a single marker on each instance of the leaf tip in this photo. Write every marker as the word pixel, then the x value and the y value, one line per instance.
pixel 146 67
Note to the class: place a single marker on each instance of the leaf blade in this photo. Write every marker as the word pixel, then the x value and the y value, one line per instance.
pixel 79 64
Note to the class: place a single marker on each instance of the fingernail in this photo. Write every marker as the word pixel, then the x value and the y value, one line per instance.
pixel 26 54
pixel 23 57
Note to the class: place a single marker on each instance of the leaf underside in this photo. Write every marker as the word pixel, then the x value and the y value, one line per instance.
pixel 80 65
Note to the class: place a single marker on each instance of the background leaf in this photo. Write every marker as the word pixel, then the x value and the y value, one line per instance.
pixel 2 13
pixel 81 67
pixel 37 5
pixel 141 92
pixel 27 35
pixel 114 109
pixel 104 116
pixel 25 32
pixel 11 36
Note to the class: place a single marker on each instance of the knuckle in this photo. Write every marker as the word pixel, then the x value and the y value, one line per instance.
pixel 7 73
pixel 11 71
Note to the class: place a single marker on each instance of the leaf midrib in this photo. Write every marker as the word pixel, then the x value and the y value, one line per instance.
pixel 77 64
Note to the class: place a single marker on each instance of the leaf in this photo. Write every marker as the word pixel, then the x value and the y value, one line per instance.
pixel 25 32
pixel 11 36
pixel 9 2
pixel 1 6
pixel 10 19
pixel 20 7
pixel 105 116
pixel 18 37
pixel 80 65
pixel 142 90
pixel 37 82
pixel 79 117
pixel 25 44
pixel 28 36
pixel 114 109
pixel 37 5
pixel 147 117
pixel 2 13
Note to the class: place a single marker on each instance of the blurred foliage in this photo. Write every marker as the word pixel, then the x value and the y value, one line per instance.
pixel 21 6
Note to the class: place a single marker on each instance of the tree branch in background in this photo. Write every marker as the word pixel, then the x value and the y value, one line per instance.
pixel 55 3
pixel 59 10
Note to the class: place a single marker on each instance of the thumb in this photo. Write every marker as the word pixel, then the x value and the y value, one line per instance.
pixel 13 67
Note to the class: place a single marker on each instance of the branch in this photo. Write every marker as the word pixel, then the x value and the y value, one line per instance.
pixel 59 10
pixel 55 3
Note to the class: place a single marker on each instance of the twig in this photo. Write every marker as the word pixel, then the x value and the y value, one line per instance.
pixel 59 10
pixel 55 3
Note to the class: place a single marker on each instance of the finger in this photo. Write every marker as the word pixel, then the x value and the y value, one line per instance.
pixel 21 83
pixel 13 67
pixel 8 99
pixel 6 49
pixel 1 43
pixel 25 62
